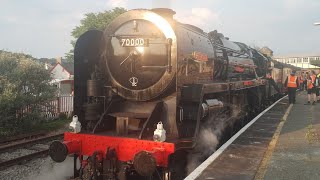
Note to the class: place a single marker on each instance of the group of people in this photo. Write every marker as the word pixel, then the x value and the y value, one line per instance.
pixel 309 81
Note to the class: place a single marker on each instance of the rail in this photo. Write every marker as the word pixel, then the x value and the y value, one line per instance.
pixel 21 159
pixel 26 145
pixel 20 137
pixel 29 142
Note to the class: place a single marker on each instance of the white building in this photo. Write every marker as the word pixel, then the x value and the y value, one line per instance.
pixel 62 75
pixel 302 61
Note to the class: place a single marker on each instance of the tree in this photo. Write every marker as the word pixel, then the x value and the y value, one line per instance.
pixel 97 21
pixel 23 83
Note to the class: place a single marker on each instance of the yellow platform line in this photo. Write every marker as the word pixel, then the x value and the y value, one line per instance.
pixel 265 161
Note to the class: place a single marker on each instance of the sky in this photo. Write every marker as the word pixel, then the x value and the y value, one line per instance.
pixel 43 28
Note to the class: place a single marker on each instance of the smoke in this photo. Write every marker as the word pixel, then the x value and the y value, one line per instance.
pixel 209 136
pixel 207 144
pixel 161 3
pixel 50 170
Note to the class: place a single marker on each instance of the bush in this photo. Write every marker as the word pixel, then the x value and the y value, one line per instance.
pixel 24 87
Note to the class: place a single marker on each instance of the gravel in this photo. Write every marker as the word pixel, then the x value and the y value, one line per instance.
pixel 41 146
pixel 24 151
pixel 39 169
pixel 16 153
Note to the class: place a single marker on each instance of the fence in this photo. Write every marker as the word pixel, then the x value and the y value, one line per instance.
pixel 61 105
pixel 53 109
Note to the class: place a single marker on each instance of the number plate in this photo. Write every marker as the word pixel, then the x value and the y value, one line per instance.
pixel 134 42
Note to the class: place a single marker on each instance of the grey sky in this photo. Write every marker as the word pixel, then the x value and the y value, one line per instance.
pixel 42 27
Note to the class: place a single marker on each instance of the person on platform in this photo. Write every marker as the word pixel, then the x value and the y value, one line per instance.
pixel 306 76
pixel 311 80
pixel 292 83
pixel 318 86
pixel 301 80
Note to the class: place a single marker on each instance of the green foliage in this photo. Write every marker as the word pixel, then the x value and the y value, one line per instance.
pixel 91 21
pixel 51 125
pixel 23 82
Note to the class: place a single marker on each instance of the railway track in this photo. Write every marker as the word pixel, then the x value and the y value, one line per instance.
pixel 22 137
pixel 20 152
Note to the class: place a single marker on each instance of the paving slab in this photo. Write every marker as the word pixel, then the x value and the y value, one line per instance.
pixel 274 146
pixel 297 153
pixel 240 161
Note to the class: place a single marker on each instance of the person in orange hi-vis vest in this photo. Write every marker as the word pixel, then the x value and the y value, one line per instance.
pixel 292 83
pixel 300 77
pixel 318 86
pixel 311 81
pixel 305 77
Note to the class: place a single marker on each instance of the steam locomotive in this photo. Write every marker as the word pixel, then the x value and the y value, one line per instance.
pixel 145 87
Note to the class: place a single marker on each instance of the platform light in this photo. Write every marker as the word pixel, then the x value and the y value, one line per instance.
pixel 317 23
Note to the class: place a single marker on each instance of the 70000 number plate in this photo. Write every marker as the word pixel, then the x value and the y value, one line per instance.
pixel 134 42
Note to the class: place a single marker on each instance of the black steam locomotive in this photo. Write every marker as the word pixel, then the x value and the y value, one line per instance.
pixel 144 88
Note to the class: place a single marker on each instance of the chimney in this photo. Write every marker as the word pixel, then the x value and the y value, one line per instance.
pixel 46 66
pixel 58 60
pixel 165 13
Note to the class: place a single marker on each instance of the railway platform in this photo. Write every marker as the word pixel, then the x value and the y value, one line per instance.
pixel 283 142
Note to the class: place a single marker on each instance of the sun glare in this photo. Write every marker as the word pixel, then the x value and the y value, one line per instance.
pixel 161 24
pixel 140 49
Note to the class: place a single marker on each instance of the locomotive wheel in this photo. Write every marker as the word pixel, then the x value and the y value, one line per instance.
pixel 92 170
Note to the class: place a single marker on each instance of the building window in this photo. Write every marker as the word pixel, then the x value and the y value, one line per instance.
pixel 305 60
pixel 299 60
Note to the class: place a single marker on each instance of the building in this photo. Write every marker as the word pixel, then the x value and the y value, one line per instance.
pixel 62 74
pixel 266 51
pixel 299 61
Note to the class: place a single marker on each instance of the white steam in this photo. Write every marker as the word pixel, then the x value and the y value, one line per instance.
pixel 50 170
pixel 209 137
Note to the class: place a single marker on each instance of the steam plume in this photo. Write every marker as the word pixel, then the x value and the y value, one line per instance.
pixel 53 171
pixel 209 137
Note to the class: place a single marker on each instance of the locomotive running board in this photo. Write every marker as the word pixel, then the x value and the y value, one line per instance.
pixel 231 86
